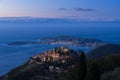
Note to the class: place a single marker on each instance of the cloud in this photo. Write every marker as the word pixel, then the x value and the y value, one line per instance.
pixel 78 9
pixel 63 9
pixel 84 10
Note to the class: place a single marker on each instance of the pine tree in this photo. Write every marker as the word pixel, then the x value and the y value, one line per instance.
pixel 82 68
pixel 93 72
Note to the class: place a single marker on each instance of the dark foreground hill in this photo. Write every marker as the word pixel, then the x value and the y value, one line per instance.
pixel 104 50
pixel 109 67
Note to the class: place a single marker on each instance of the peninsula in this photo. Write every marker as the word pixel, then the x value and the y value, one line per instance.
pixel 64 40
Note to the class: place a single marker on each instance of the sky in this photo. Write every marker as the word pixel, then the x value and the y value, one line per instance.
pixel 78 9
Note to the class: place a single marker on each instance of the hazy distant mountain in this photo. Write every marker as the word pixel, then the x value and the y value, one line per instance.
pixel 35 19
pixel 46 20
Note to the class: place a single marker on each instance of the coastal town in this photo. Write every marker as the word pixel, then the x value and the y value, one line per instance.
pixel 71 40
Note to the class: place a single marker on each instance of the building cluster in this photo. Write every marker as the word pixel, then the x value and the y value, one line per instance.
pixel 57 54
pixel 55 69
pixel 58 60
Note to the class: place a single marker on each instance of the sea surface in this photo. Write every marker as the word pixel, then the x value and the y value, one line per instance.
pixel 13 56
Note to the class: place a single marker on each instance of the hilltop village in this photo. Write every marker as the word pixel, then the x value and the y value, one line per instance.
pixel 59 59
pixel 53 55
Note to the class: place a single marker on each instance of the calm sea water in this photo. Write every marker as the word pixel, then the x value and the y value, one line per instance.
pixel 12 56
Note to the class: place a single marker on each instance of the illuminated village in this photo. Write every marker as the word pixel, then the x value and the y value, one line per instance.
pixel 53 55
pixel 59 59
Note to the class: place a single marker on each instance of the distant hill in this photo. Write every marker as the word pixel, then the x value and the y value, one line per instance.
pixel 104 50
pixel 37 20
pixel 53 20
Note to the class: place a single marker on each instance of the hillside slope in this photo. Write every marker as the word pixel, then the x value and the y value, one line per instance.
pixel 104 50
pixel 64 64
pixel 45 66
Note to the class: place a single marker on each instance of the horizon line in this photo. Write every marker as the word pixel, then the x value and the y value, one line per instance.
pixel 79 19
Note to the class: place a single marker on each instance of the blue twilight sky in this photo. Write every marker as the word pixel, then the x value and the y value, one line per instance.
pixel 80 9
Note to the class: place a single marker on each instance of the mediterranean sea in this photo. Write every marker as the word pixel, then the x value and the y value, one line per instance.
pixel 13 56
